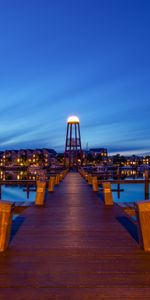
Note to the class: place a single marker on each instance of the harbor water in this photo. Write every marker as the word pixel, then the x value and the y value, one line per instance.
pixel 17 194
pixel 128 192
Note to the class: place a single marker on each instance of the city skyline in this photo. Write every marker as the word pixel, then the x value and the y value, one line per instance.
pixel 89 59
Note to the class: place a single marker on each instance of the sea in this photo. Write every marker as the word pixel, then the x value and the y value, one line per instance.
pixel 128 193
pixel 17 194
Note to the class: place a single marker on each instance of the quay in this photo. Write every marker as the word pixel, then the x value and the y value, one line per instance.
pixel 74 248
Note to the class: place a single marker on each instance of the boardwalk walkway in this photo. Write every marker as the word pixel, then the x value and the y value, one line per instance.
pixel 74 248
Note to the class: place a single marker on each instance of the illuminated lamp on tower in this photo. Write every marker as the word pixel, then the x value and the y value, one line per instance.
pixel 73 149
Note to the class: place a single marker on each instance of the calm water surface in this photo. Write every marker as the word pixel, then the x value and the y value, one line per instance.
pixel 131 193
pixel 17 193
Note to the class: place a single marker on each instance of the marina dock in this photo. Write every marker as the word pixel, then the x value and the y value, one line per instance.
pixel 74 248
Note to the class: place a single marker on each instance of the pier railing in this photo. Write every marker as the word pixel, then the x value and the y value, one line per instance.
pixel 7 209
pixel 51 183
pixel 140 210
pixel 93 179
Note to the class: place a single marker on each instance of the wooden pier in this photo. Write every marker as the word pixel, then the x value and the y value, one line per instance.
pixel 74 248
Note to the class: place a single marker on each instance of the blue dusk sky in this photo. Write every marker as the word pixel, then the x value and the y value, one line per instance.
pixel 89 58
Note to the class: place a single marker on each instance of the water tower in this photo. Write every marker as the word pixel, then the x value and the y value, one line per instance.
pixel 73 149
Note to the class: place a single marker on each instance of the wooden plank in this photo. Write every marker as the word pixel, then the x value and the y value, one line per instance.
pixel 73 248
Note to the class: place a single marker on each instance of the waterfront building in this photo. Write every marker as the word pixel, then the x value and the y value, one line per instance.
pixel 146 160
pixel 99 153
pixel 25 157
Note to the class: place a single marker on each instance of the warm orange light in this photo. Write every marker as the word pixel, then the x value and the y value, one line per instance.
pixel 73 119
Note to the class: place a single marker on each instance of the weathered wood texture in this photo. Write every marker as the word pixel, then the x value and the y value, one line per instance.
pixel 108 199
pixel 51 184
pixel 74 248
pixel 40 192
pixel 5 223
pixel 143 216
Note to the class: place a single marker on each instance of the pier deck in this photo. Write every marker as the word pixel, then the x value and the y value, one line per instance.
pixel 74 248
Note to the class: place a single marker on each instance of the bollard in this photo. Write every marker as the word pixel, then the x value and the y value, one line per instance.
pixel 6 212
pixel 108 200
pixel 40 192
pixel 51 184
pixel 95 184
pixel 143 218
pixel 57 179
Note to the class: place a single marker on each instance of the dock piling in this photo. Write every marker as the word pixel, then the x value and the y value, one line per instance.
pixel 57 179
pixel 40 192
pixel 6 212
pixel 95 184
pixel 108 200
pixel 143 218
pixel 51 184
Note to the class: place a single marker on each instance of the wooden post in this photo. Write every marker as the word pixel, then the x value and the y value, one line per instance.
pixel 6 212
pixel 146 175
pixel 108 200
pixel 57 179
pixel 143 218
pixel 51 184
pixel 40 192
pixel 95 184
